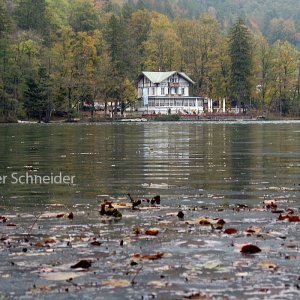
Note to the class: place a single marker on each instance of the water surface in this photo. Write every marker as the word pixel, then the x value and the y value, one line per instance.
pixel 207 170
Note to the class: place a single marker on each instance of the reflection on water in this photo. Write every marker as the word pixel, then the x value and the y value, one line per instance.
pixel 237 161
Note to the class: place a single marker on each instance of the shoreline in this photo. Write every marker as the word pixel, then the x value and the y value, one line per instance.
pixel 160 118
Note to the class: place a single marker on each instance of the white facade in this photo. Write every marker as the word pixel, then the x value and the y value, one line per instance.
pixel 167 92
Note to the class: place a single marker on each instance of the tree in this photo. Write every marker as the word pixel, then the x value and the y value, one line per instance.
pixel 283 30
pixel 36 97
pixel 241 62
pixel 138 28
pixel 129 94
pixel 163 46
pixel 64 72
pixel 285 67
pixel 5 24
pixel 84 16
pixel 264 76
pixel 32 15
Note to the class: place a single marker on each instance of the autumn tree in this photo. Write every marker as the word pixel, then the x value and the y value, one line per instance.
pixel 138 28
pixel 285 67
pixel 264 76
pixel 162 46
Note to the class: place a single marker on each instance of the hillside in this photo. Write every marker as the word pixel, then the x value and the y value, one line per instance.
pixel 266 16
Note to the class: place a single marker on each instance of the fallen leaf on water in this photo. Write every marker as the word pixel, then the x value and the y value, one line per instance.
pixel 199 296
pixel 158 284
pixel 37 289
pixel 230 231
pixel 123 205
pixel 147 257
pixel 11 225
pixel 96 243
pixel 45 243
pixel 180 214
pixel 152 232
pixel 116 283
pixel 3 219
pixel 163 268
pixel 294 219
pixel 137 230
pixel 204 221
pixel 282 217
pixel 60 215
pixel 267 265
pixel 253 230
pixel 250 248
pixel 71 216
pixel 83 264
pixel 50 241
pixel 39 244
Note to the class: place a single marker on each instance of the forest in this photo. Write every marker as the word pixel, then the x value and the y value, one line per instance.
pixel 56 55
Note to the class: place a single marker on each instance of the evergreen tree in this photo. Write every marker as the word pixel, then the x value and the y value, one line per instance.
pixel 31 15
pixel 241 62
pixel 84 16
pixel 36 96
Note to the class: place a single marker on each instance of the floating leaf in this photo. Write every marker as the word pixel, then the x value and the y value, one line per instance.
pixel 152 232
pixel 3 219
pixel 230 231
pixel 199 296
pixel 71 216
pixel 267 265
pixel 203 221
pixel 116 283
pixel 83 264
pixel 249 248
pixel 39 289
pixel 50 241
pixel 253 230
pixel 180 214
pixel 96 243
pixel 147 257
pixel 137 230
pixel 11 225
pixel 294 219
pixel 45 243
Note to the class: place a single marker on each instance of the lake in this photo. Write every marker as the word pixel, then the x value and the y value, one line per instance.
pixel 206 169
pixel 241 161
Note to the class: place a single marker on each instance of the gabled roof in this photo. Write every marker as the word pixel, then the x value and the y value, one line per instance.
pixel 158 77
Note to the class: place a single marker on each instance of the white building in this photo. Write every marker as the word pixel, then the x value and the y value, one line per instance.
pixel 167 92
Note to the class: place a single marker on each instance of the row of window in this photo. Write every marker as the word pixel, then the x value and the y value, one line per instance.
pixel 179 103
pixel 167 91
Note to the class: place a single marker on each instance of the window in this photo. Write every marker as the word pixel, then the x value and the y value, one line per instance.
pixel 192 103
pixel 182 91
pixel 162 91
pixel 153 91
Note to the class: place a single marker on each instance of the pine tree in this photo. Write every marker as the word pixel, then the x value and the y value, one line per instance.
pixel 241 62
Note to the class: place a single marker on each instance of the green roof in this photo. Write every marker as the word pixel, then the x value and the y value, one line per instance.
pixel 158 77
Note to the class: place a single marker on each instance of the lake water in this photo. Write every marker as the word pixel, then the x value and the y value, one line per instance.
pixel 221 170
pixel 241 161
